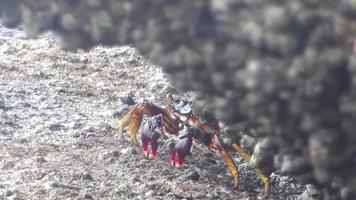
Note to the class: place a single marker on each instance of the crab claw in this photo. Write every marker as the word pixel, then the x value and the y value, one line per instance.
pixel 149 136
pixel 182 148
pixel 154 147
pixel 145 150
pixel 149 144
pixel 177 159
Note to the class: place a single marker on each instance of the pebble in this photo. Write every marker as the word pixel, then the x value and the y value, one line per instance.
pixel 312 191
pixel 149 193
pixel 56 127
pixel 7 165
pixel 50 185
pixel 86 176
pixel 88 196
pixel 8 193
pixel 40 160
pixel 193 175
pixel 132 180
pixel 129 151
pixel 128 99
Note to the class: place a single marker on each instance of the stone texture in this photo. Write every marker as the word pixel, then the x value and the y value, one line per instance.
pixel 287 66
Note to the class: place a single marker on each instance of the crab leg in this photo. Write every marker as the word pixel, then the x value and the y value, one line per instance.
pixel 247 157
pixel 218 142
pixel 132 120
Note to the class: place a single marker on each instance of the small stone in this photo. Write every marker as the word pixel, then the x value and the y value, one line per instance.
pixel 115 153
pixel 128 99
pixel 132 180
pixel 193 175
pixel 15 197
pixel 312 191
pixel 76 134
pixel 86 176
pixel 6 165
pixel 88 196
pixel 129 151
pixel 56 127
pixel 84 60
pixel 89 134
pixel 149 193
pixel 8 193
pixel 77 125
pixel 23 140
pixel 305 196
pixel 40 159
pixel 50 185
pixel 39 174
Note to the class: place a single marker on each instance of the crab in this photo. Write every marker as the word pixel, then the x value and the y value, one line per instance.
pixel 176 115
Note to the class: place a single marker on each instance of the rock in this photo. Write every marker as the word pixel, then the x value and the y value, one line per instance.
pixel 2 103
pixel 305 196
pixel 39 174
pixel 76 134
pixel 88 196
pixel 128 151
pixel 7 165
pixel 56 127
pixel 86 176
pixel 77 125
pixel 133 180
pixel 313 192
pixel 193 175
pixel 15 197
pixel 115 153
pixel 149 193
pixel 8 193
pixel 40 160
pixel 89 134
pixel 128 99
pixel 50 185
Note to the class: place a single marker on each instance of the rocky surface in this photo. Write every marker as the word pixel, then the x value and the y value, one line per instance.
pixel 287 66
pixel 57 130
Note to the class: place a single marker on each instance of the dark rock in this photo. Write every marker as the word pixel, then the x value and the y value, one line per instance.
pixel 87 176
pixel 193 175
pixel 88 196
pixel 56 127
pixel 40 160
pixel 8 193
pixel 2 103
pixel 128 99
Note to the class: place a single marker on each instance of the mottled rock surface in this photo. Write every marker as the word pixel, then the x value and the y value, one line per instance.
pixel 287 66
